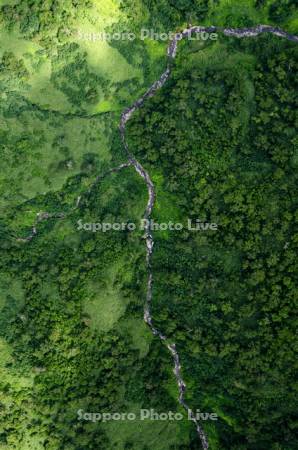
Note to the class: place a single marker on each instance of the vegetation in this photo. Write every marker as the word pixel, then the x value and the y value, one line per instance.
pixel 226 144
pixel 219 141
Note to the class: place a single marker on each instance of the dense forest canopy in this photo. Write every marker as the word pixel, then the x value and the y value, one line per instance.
pixel 220 143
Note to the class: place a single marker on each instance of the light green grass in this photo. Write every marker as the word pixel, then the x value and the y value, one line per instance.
pixel 103 302
pixel 14 42
pixel 7 2
pixel 140 334
pixel 104 308
pixel 157 435
pixel 165 208
pixel 106 60
pixel 11 293
pixel 38 171
pixel 156 49
pixel 102 59
pixel 106 106
pixel 38 88
pixel 292 23
pixel 43 93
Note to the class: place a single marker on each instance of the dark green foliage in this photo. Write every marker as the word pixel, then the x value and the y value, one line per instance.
pixel 228 157
pixel 168 14
pixel 279 10
pixel 43 16
pixel 73 77
pixel 221 137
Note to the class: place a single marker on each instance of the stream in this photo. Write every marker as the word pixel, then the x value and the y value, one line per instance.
pixel 132 161
pixel 125 117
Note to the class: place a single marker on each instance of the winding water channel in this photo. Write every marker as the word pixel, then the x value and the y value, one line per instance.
pixel 125 117
pixel 132 161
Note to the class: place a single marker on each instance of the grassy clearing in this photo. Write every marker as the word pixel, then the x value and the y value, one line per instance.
pixel 42 92
pixel 44 150
pixel 104 303
pixel 38 88
pixel 102 59
pixel 156 49
pixel 292 23
pixel 11 297
pixel 7 2
pixel 49 151
pixel 140 334
pixel 106 106
pixel 104 308
pixel 14 42
pixel 106 60
pixel 157 435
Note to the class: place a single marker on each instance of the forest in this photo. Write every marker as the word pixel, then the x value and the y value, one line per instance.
pixel 220 143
